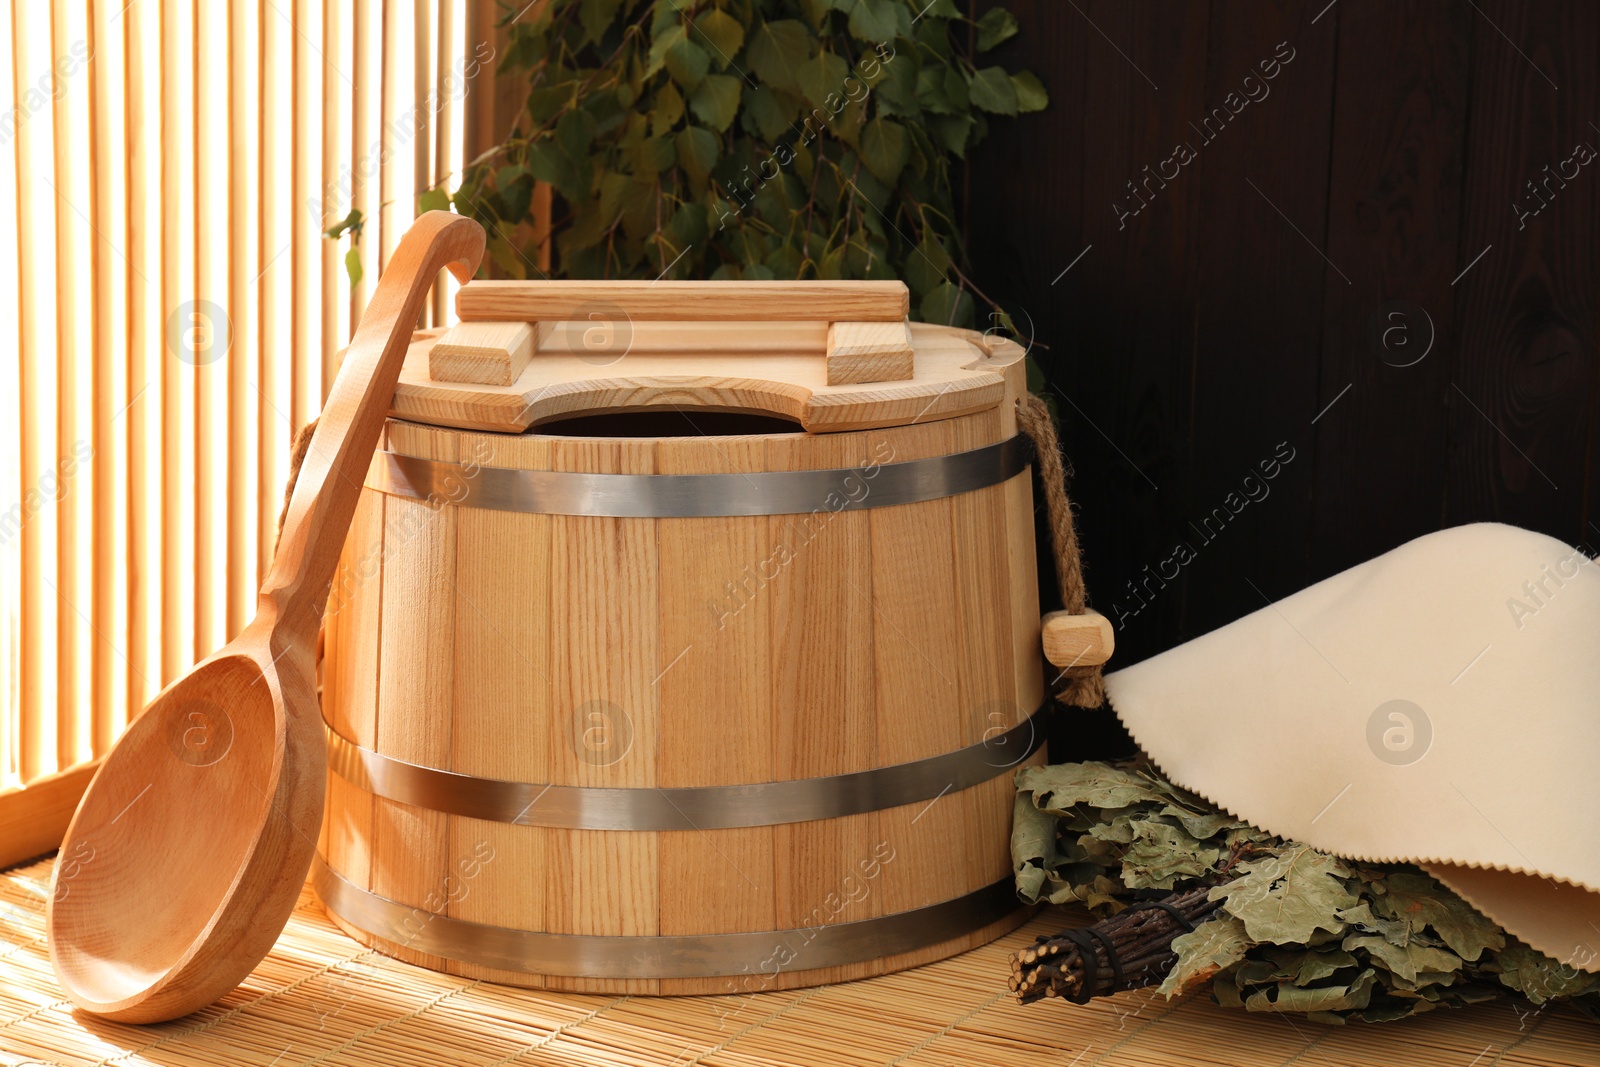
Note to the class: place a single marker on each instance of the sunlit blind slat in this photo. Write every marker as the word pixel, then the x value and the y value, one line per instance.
pixel 274 266
pixel 304 219
pixel 141 109
pixel 397 127
pixel 209 293
pixel 70 183
pixel 334 196
pixel 424 33
pixel 366 121
pixel 12 502
pixel 36 349
pixel 243 384
pixel 108 322
pixel 441 119
pixel 176 222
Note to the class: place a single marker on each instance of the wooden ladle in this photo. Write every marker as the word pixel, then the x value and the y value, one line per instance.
pixel 187 853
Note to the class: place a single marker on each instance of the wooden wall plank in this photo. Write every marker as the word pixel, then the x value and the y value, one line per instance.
pixel 1259 283
pixel 1038 160
pixel 1108 296
pixel 1132 375
pixel 1522 395
pixel 1400 113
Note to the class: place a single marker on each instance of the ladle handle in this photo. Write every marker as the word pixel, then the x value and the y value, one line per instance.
pixel 336 461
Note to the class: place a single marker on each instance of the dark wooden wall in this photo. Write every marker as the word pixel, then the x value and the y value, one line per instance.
pixel 1285 285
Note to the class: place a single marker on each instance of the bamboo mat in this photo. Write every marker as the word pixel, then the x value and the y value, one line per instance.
pixel 320 998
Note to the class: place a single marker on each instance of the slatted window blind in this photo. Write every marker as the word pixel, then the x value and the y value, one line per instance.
pixel 172 316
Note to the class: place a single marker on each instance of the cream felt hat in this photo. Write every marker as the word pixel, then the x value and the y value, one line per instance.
pixel 1438 705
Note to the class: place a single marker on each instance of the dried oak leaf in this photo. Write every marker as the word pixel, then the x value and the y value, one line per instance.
pixel 1327 998
pixel 1286 897
pixel 1419 901
pixel 1162 855
pixel 1407 962
pixel 1059 787
pixel 1540 978
pixel 1321 964
pixel 1033 848
pixel 1202 824
pixel 1207 949
pixel 1362 918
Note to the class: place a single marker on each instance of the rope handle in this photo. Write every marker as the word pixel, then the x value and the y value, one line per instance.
pixel 1077 639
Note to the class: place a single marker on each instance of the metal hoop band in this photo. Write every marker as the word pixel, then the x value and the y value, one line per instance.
pixel 690 956
pixel 871 485
pixel 684 808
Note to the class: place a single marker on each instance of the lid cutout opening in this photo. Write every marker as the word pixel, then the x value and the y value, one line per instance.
pixel 659 422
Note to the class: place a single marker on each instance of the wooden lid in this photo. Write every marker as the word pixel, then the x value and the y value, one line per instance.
pixel 828 355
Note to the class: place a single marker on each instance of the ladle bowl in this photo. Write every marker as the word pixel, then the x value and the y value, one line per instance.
pixel 187 853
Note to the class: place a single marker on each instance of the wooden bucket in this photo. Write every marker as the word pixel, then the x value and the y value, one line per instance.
pixel 685 671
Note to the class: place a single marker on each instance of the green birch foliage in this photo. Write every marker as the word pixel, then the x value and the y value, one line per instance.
pixel 756 139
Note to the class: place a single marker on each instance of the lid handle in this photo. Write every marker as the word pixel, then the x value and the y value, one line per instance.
pixel 867 338
pixel 810 301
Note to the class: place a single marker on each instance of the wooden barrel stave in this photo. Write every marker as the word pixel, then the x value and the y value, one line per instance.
pixel 823 633
pixel 716 701
pixel 913 580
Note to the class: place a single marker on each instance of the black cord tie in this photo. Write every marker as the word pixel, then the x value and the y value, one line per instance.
pixel 1085 939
